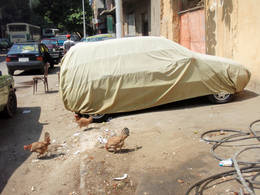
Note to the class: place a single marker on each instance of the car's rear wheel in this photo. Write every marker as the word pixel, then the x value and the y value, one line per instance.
pixel 52 64
pixel 99 118
pixel 220 98
pixel 10 72
pixel 11 106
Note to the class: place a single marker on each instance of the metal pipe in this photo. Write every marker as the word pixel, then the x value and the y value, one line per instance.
pixel 84 23
pixel 118 18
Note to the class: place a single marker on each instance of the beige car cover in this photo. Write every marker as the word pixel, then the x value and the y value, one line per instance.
pixel 134 73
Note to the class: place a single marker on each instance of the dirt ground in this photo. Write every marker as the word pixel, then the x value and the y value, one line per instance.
pixel 163 154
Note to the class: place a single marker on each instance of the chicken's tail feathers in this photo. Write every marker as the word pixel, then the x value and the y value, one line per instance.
pixel 27 147
pixel 47 137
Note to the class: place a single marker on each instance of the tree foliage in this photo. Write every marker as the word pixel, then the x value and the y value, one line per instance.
pixel 66 15
pixel 15 11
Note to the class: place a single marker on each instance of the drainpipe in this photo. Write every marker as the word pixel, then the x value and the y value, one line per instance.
pixel 118 18
pixel 84 21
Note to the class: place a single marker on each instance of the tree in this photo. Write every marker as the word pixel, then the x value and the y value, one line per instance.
pixel 64 14
pixel 14 11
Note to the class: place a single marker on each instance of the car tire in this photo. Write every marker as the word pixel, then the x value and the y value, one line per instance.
pixel 52 65
pixel 220 98
pixel 51 62
pixel 99 118
pixel 11 107
pixel 10 72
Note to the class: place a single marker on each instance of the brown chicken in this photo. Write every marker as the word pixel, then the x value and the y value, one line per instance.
pixel 40 147
pixel 117 142
pixel 82 121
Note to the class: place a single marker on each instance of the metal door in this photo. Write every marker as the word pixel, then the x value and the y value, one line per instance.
pixel 192 30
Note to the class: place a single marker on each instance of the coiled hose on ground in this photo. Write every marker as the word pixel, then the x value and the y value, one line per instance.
pixel 248 166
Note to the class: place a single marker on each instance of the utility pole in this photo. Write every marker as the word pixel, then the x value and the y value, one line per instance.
pixel 118 18
pixel 84 23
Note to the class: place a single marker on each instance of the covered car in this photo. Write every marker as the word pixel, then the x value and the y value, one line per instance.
pixel 128 74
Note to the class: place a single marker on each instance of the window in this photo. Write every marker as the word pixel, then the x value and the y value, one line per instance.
pixel 190 4
pixel 16 28
pixel 131 24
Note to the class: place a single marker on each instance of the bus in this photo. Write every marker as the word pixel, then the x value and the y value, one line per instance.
pixel 22 32
pixel 49 32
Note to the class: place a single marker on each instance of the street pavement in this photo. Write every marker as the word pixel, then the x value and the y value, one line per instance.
pixel 169 159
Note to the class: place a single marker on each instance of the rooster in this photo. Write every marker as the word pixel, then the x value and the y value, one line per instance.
pixel 117 142
pixel 40 147
pixel 82 121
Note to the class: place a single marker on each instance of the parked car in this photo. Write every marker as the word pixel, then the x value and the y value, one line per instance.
pixel 27 56
pixel 5 44
pixel 54 50
pixel 8 102
pixel 99 37
pixel 61 39
pixel 128 74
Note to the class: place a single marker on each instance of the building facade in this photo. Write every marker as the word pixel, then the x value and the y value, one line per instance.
pixel 218 27
pixel 232 28
pixel 141 18
pixel 103 16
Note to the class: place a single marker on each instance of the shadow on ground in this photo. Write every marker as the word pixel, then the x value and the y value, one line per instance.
pixel 16 132
pixel 28 81
pixel 189 103
pixel 51 71
pixel 245 95
pixel 52 156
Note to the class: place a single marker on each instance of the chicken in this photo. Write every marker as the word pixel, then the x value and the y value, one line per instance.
pixel 40 147
pixel 117 142
pixel 82 121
